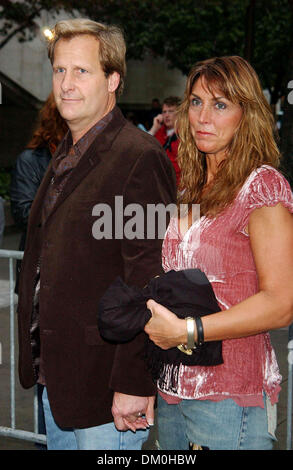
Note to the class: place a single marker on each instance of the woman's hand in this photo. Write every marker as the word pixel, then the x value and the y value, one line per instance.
pixel 165 329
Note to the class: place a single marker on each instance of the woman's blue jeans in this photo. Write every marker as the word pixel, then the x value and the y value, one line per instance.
pixel 221 425
pixel 104 437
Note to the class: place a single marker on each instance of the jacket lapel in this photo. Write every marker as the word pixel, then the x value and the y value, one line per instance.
pixel 92 157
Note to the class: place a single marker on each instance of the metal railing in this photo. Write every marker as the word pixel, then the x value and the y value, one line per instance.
pixel 11 431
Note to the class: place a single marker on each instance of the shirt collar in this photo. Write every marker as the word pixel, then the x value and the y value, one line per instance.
pixel 81 146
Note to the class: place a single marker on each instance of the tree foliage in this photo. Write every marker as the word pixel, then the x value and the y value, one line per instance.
pixel 183 32
pixel 19 17
pixel 273 44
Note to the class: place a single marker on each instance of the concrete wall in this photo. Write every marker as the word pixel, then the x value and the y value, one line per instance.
pixel 27 63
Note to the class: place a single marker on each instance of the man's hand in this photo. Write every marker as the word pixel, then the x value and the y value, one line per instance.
pixel 157 122
pixel 131 412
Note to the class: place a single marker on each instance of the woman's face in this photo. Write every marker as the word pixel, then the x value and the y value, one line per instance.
pixel 213 120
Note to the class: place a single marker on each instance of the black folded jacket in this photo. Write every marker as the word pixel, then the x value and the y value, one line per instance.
pixel 122 314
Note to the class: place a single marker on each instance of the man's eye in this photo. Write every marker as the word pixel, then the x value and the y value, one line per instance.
pixel 82 70
pixel 59 69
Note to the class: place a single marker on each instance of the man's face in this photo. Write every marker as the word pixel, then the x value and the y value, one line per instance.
pixel 82 92
pixel 169 116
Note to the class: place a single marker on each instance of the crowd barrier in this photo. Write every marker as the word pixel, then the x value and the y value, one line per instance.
pixel 12 431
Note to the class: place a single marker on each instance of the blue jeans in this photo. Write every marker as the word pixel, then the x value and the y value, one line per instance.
pixel 221 425
pixel 104 437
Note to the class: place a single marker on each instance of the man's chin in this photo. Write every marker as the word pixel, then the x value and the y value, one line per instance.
pixel 68 115
pixel 69 108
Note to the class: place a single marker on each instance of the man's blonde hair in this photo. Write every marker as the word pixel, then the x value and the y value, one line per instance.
pixel 111 40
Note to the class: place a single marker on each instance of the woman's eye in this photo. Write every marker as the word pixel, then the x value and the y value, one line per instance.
pixel 221 105
pixel 195 102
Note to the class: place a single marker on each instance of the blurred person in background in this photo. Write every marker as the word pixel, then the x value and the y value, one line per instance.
pixel 163 129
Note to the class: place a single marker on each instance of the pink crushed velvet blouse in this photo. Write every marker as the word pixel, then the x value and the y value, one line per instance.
pixel 224 255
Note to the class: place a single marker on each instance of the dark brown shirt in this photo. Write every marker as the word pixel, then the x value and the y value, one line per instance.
pixel 66 159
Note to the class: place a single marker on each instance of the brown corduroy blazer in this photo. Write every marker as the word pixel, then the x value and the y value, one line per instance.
pixel 81 369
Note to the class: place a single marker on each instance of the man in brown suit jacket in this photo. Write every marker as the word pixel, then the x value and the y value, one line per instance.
pixel 97 395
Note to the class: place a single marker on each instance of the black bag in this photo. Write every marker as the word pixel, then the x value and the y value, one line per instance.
pixel 122 314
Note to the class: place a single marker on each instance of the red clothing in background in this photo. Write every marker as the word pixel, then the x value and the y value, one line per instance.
pixel 172 148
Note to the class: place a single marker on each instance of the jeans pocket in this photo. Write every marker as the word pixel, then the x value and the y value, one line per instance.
pixel 272 417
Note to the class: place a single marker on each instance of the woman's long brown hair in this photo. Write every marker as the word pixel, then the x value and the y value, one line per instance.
pixel 51 127
pixel 253 144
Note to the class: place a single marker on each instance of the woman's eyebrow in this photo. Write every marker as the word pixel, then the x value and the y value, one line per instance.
pixel 214 97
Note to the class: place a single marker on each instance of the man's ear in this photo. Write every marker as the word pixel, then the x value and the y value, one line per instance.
pixel 113 82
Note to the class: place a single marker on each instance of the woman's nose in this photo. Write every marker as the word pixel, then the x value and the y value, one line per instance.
pixel 205 114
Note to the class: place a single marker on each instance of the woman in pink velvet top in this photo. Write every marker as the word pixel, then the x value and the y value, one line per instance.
pixel 243 242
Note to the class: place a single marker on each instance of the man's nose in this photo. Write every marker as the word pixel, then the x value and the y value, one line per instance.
pixel 67 83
